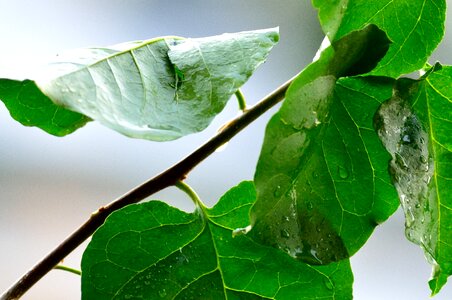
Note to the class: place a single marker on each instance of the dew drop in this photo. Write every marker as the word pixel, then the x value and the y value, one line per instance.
pixel 285 234
pixel 328 284
pixel 222 147
pixel 406 139
pixel 343 173
pixel 277 192
pixel 162 293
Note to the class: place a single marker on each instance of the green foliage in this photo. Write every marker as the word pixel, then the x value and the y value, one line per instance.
pixel 29 106
pixel 321 178
pixel 415 126
pixel 321 184
pixel 200 257
pixel 414 27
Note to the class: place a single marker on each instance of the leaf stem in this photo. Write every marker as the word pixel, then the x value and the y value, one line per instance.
pixel 68 269
pixel 241 99
pixel 191 193
pixel 165 179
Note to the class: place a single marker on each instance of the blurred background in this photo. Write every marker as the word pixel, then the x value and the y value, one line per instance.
pixel 50 185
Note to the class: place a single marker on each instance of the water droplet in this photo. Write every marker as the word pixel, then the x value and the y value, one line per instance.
pixel 409 216
pixel 310 205
pixel 406 139
pixel 343 173
pixel 285 234
pixel 277 192
pixel 423 159
pixel 318 229
pixel 162 293
pixel 328 284
pixel 285 218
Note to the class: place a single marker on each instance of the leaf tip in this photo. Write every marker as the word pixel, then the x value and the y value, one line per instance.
pixel 439 279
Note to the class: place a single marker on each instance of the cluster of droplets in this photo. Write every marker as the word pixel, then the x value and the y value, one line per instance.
pixel 411 169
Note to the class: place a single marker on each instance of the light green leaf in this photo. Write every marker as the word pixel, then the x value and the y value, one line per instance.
pixel 29 106
pixel 415 126
pixel 415 28
pixel 153 251
pixel 159 89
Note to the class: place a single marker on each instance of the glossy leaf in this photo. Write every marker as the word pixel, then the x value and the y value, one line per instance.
pixel 159 89
pixel 415 127
pixel 154 251
pixel 29 106
pixel 321 178
pixel 415 28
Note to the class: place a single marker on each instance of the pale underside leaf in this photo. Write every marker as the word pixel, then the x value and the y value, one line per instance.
pixel 159 89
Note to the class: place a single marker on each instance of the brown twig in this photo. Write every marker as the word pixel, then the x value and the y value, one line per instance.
pixel 169 177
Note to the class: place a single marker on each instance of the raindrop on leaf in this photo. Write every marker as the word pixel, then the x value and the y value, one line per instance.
pixel 285 234
pixel 162 293
pixel 277 192
pixel 328 284
pixel 343 173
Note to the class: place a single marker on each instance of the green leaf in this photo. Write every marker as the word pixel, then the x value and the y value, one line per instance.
pixel 415 126
pixel 321 156
pixel 159 89
pixel 415 28
pixel 321 180
pixel 29 106
pixel 153 251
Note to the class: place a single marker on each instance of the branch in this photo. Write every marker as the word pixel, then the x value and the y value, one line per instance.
pixel 168 178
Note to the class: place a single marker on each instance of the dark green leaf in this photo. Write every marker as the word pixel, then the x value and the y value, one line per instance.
pixel 415 127
pixel 154 251
pixel 29 106
pixel 321 187
pixel 415 28
pixel 159 89
pixel 321 180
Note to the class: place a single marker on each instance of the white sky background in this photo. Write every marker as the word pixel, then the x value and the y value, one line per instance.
pixel 50 185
